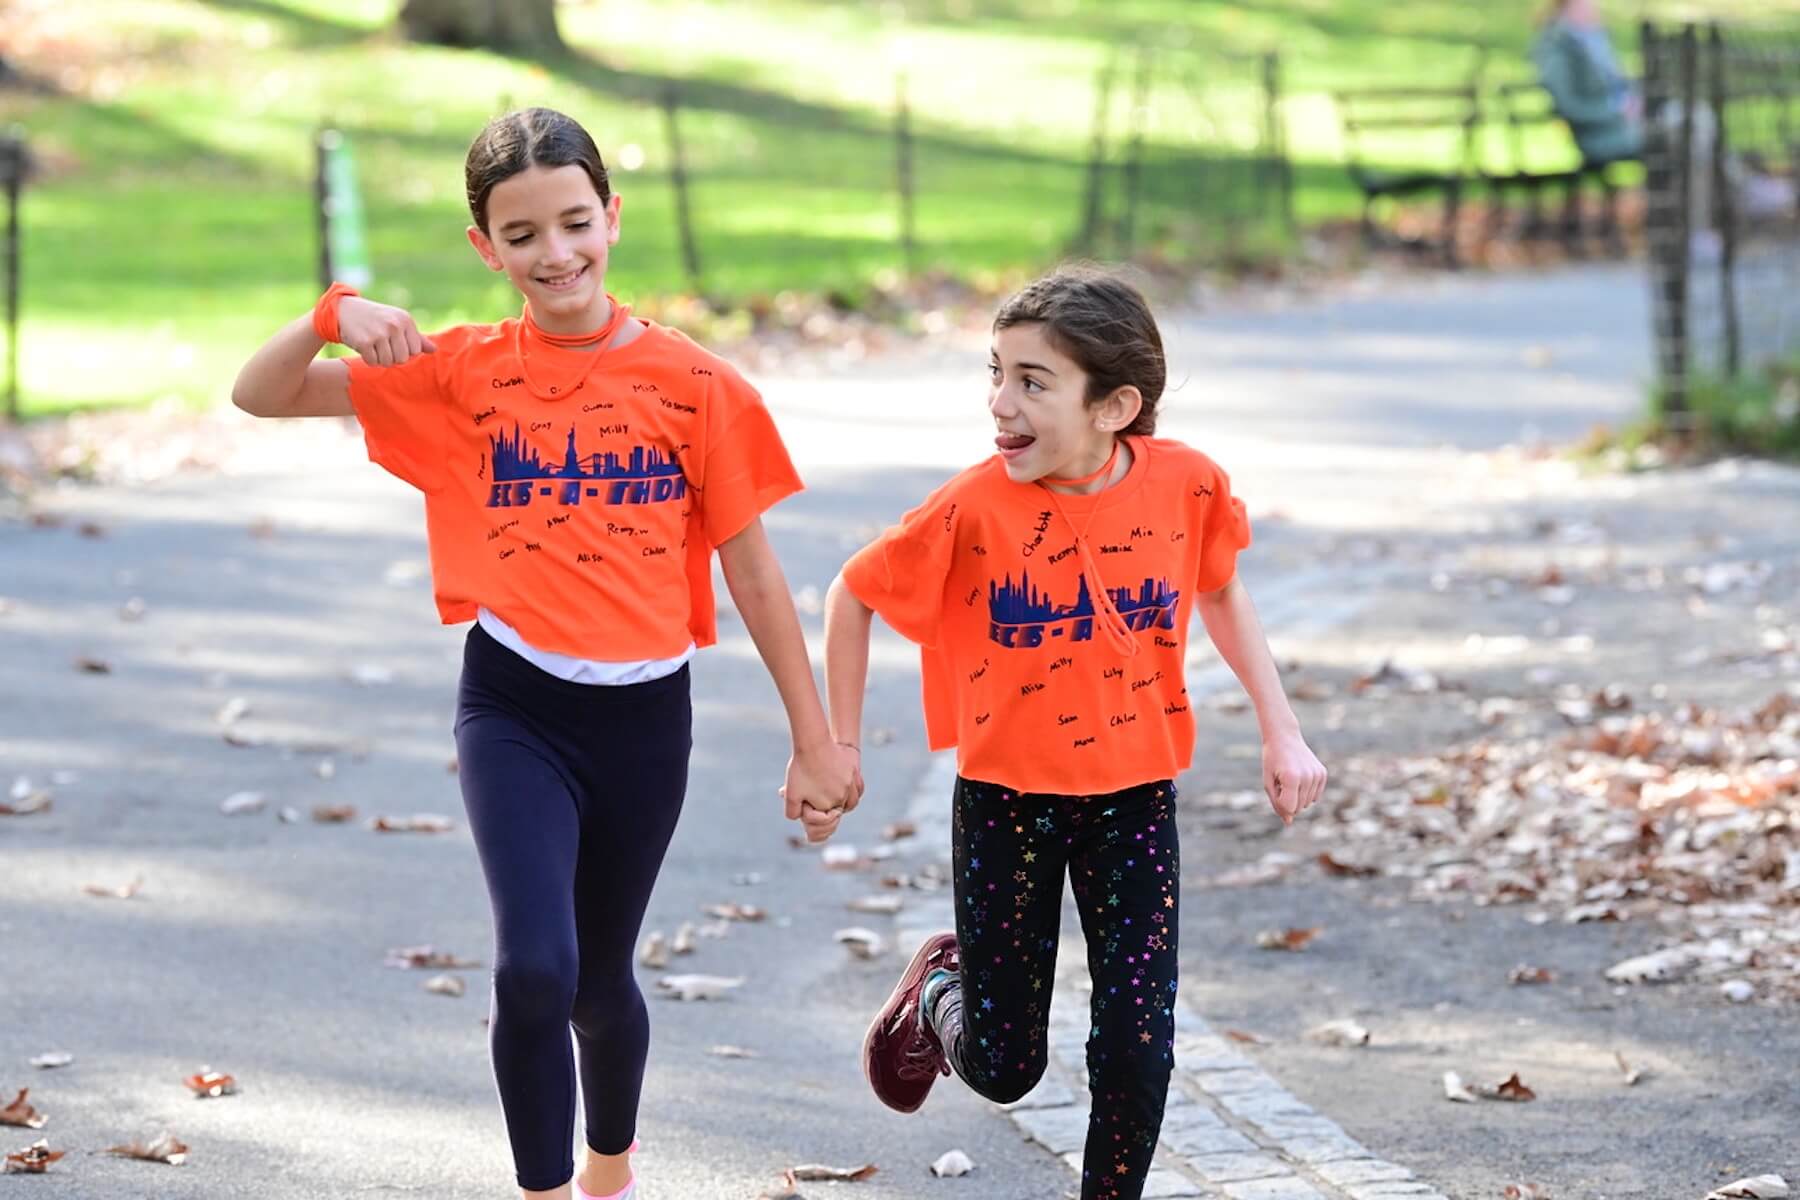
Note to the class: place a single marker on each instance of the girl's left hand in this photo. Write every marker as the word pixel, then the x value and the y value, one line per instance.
pixel 1293 776
pixel 826 780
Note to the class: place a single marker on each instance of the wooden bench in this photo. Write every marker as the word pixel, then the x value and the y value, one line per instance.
pixel 1521 108
pixel 1411 114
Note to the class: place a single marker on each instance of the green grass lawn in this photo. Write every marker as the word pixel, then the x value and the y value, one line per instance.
pixel 173 227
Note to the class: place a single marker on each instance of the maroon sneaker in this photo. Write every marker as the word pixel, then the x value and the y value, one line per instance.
pixel 901 1057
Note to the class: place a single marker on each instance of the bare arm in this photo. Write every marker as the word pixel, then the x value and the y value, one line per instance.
pixel 847 622
pixel 1292 775
pixel 821 774
pixel 286 378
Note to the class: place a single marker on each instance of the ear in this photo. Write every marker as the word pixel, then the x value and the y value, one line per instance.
pixel 1119 409
pixel 485 248
pixel 612 219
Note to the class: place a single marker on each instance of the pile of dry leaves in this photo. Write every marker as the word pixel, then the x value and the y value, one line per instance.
pixel 1689 818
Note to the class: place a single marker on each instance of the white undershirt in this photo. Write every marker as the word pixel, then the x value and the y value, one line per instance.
pixel 580 670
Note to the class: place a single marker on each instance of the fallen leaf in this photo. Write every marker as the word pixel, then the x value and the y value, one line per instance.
pixel 684 939
pixel 1632 1074
pixel 734 912
pixel 951 1164
pixel 93 666
pixel 446 985
pixel 1342 1032
pixel 25 800
pixel 1759 1187
pixel 655 952
pixel 1287 939
pixel 333 814
pixel 1526 1191
pixel 241 803
pixel 731 1052
pixel 123 891
pixel 1248 1038
pixel 35 1159
pixel 90 529
pixel 1510 1088
pixel 1523 974
pixel 1455 1089
pixel 52 1060
pixel 417 823
pixel 21 1113
pixel 898 830
pixel 1335 866
pixel 210 1085
pixel 371 675
pixel 863 943
pixel 817 1171
pixel 1658 967
pixel 164 1149
pixel 840 857
pixel 697 987
pixel 427 958
pixel 887 904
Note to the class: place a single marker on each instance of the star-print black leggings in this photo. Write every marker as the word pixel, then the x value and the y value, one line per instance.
pixel 1010 851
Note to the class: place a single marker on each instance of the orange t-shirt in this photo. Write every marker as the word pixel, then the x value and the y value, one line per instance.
pixel 1054 666
pixel 576 494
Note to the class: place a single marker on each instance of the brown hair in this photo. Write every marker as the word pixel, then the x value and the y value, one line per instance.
pixel 1105 325
pixel 532 137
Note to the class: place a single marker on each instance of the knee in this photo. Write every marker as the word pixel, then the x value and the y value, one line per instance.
pixel 602 1006
pixel 534 988
pixel 1007 1083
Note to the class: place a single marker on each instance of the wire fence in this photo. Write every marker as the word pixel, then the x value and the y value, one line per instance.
pixel 1722 147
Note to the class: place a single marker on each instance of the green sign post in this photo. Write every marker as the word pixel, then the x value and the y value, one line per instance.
pixel 343 246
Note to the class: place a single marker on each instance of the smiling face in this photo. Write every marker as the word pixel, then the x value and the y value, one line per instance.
pixel 550 232
pixel 1039 400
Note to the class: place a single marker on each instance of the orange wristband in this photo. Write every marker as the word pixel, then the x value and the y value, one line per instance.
pixel 325 322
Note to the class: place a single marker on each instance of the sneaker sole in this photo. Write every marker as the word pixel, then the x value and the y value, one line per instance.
pixel 915 971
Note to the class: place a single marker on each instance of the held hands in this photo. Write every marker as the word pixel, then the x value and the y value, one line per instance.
pixel 1292 775
pixel 822 785
pixel 385 336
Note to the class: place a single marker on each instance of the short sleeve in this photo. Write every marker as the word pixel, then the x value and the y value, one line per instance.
pixel 403 411
pixel 903 573
pixel 746 469
pixel 1224 530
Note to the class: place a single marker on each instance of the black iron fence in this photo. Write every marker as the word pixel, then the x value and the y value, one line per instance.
pixel 1722 151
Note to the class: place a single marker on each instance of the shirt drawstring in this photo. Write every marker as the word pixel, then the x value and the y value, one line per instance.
pixel 1117 631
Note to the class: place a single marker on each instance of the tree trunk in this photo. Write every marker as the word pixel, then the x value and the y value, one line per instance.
pixel 512 25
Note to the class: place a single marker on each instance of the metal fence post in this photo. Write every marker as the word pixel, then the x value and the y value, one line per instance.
pixel 903 153
pixel 690 252
pixel 1275 139
pixel 1134 154
pixel 1093 202
pixel 13 163
pixel 1723 201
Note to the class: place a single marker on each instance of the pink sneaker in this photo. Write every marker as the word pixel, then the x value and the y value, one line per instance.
pixel 901 1057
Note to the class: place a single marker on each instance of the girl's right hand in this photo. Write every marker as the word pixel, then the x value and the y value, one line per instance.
pixel 385 336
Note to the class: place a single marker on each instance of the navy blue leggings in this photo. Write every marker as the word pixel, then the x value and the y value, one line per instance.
pixel 572 792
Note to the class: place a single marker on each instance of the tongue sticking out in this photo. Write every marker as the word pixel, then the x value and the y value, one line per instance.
pixel 1013 441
